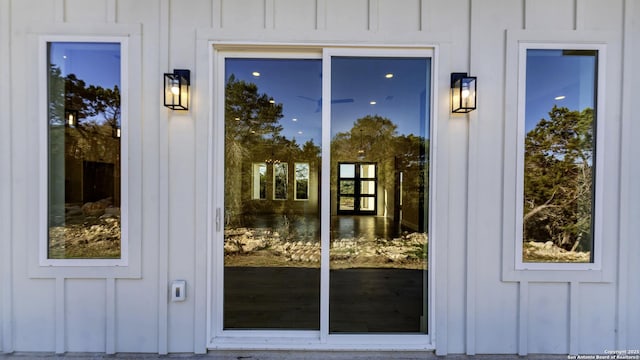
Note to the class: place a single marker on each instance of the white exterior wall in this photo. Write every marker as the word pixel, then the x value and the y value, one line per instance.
pixel 476 311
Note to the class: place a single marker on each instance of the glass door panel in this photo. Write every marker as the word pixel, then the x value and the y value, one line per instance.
pixel 367 204
pixel 367 187
pixel 363 269
pixel 271 194
pixel 379 143
pixel 367 171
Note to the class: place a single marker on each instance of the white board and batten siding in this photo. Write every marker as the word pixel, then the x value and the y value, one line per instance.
pixel 479 307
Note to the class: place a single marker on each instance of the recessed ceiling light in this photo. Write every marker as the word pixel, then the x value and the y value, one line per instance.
pixel 272 101
pixel 300 132
pixel 237 119
pixel 561 97
pixel 255 73
pixel 389 76
pixel 372 102
pixel 294 119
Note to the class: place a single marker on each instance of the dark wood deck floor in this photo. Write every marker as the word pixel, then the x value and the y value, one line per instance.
pixel 361 300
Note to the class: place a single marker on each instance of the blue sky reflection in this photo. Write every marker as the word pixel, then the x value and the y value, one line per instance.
pixel 558 77
pixel 403 98
pixel 96 63
pixel 295 83
pixel 398 86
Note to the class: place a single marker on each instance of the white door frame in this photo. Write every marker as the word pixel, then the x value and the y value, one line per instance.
pixel 217 338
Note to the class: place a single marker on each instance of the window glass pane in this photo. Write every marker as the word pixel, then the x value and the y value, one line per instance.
pixel 347 187
pixel 259 181
pixel 84 180
pixel 367 203
pixel 378 258
pixel 347 203
pixel 347 170
pixel 367 187
pixel 559 155
pixel 272 246
pixel 367 171
pixel 302 181
pixel 280 181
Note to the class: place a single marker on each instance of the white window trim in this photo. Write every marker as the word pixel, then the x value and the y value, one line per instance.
pixel 598 139
pixel 129 265
pixel 44 152
pixel 295 181
pixel 308 340
pixel 513 268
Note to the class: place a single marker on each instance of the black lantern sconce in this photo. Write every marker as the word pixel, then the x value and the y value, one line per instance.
pixel 176 89
pixel 463 93
pixel 70 118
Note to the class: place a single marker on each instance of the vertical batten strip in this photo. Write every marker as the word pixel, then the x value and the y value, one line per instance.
pixel 321 14
pixel 216 14
pixel 438 266
pixel 574 318
pixel 425 12
pixel 269 14
pixel 374 17
pixel 626 163
pixel 204 74
pixel 163 176
pixel 472 207
pixel 111 10
pixel 523 319
pixel 110 341
pixel 577 24
pixel 60 316
pixel 58 11
pixel 6 260
pixel 524 14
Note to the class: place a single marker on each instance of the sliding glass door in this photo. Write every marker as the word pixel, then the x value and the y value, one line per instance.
pixel 271 204
pixel 378 266
pixel 322 205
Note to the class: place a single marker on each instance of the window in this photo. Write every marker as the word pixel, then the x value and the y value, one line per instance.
pixel 558 156
pixel 85 192
pixel 302 181
pixel 259 181
pixel 280 181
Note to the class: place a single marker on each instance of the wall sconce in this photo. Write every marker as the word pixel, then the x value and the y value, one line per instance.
pixel 176 89
pixel 71 118
pixel 463 93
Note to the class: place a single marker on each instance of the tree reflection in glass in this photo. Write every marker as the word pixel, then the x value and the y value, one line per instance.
pixel 380 182
pixel 272 243
pixel 84 182
pixel 559 155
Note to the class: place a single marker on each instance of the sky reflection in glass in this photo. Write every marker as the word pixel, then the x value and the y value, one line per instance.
pixel 361 87
pixel 95 63
pixel 398 86
pixel 295 83
pixel 565 78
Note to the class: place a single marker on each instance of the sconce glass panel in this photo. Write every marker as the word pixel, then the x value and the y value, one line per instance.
pixel 84 181
pixel 463 93
pixel 176 90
